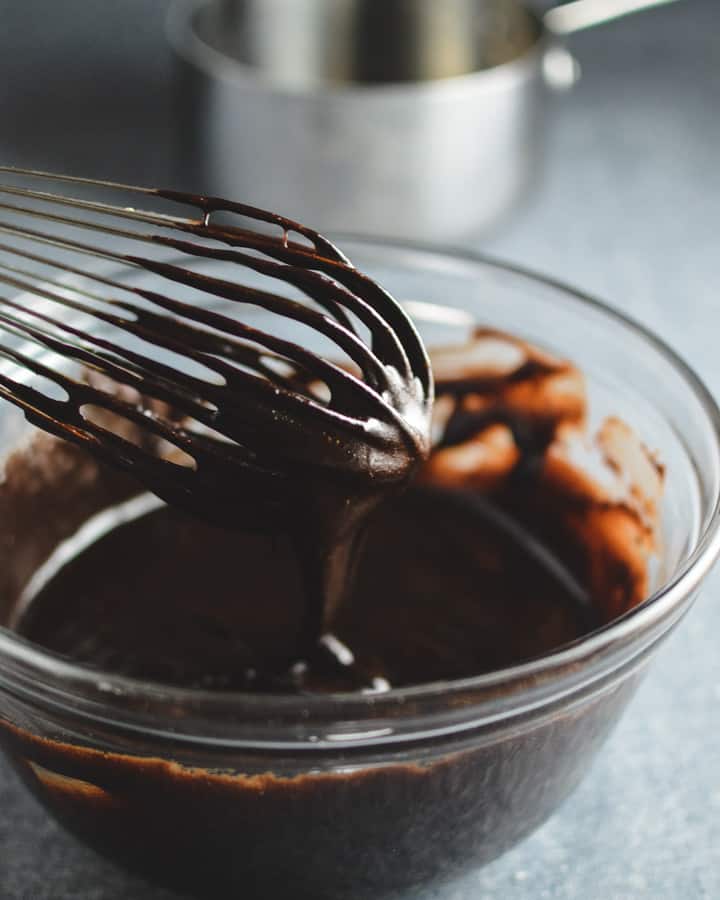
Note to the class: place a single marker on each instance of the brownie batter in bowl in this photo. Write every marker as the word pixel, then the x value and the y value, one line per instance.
pixel 503 611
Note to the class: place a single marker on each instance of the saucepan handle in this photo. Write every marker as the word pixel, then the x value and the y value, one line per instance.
pixel 580 14
pixel 560 68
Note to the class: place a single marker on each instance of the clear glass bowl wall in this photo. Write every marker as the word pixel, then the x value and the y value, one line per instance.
pixel 465 767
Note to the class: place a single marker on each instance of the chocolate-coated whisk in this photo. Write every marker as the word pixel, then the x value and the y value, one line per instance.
pixel 264 414
pixel 265 392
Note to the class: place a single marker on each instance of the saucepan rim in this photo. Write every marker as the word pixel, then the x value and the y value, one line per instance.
pixel 189 46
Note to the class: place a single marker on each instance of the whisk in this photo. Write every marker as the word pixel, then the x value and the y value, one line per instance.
pixel 238 423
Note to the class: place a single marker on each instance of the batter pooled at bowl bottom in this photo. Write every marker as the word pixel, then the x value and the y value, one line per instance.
pixel 524 529
pixel 438 595
pixel 522 533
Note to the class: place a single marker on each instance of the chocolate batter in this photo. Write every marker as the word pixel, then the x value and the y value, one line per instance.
pixel 473 569
pixel 170 599
pixel 525 529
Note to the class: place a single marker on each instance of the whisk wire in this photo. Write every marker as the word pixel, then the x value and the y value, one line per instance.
pixel 262 385
pixel 330 260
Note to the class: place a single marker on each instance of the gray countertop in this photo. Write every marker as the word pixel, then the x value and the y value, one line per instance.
pixel 628 209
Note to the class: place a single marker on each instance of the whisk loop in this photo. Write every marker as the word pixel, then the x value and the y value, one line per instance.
pixel 235 422
pixel 266 407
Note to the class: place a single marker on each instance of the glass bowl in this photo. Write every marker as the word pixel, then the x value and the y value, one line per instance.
pixel 357 796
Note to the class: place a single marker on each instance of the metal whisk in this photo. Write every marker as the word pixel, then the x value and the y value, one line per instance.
pixel 240 424
pixel 270 408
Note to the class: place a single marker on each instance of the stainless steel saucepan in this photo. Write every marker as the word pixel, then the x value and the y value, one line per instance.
pixel 413 118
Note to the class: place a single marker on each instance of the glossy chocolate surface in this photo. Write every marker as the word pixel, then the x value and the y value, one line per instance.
pixel 486 562
pixel 521 533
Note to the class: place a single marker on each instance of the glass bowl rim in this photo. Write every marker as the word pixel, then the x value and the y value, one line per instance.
pixel 60 676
